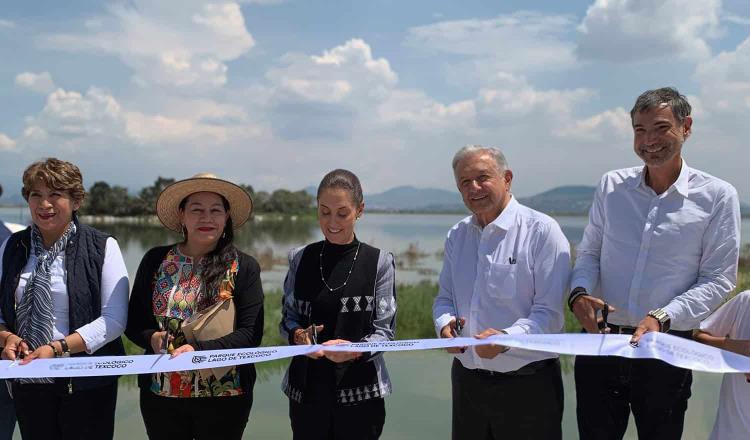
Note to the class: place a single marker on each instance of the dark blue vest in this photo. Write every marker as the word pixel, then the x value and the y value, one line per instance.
pixel 84 259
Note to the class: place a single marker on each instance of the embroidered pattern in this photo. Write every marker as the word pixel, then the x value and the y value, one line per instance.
pixel 359 394
pixel 363 303
pixel 178 293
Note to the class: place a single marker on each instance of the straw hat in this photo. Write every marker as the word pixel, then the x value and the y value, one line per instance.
pixel 168 203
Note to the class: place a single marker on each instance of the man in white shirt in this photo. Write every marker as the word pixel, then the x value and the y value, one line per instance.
pixel 505 270
pixel 661 249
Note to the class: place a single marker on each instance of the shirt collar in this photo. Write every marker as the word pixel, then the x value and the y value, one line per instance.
pixel 503 221
pixel 681 185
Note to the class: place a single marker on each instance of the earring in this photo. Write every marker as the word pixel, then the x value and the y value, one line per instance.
pixel 183 229
pixel 224 235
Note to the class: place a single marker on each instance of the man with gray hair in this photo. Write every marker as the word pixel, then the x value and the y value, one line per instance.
pixel 659 254
pixel 505 270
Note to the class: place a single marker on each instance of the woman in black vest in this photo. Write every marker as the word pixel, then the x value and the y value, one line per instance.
pixel 63 292
pixel 175 282
pixel 336 291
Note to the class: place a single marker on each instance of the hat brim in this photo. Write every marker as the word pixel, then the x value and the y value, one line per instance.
pixel 168 203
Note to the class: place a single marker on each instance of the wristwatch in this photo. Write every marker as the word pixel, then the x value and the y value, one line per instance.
pixel 574 295
pixel 661 316
pixel 65 350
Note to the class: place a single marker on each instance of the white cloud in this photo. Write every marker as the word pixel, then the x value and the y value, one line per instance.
pixel 73 119
pixel 319 96
pixel 517 42
pixel 71 116
pixel 6 24
pixel 610 125
pixel 262 2
pixel 634 30
pixel 36 82
pixel 725 80
pixel 511 98
pixel 170 43
pixel 344 71
pixel 736 19
pixel 6 143
pixel 417 111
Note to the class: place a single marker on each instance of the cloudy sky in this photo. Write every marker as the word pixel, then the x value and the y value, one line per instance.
pixel 275 93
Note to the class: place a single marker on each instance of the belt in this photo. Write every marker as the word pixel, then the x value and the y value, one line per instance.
pixel 526 370
pixel 626 330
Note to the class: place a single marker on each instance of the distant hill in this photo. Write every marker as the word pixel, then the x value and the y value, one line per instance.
pixel 409 198
pixel 745 209
pixel 562 200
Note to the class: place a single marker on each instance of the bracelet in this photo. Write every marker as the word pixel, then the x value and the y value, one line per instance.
pixel 54 350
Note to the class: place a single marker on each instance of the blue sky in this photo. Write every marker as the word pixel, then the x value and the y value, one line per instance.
pixel 276 93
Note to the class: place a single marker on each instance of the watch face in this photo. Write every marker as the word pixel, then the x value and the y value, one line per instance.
pixel 66 354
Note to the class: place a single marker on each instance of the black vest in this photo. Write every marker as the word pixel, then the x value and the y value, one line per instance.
pixel 356 310
pixel 84 259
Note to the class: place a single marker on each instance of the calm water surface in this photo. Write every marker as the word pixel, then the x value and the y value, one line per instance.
pixel 420 407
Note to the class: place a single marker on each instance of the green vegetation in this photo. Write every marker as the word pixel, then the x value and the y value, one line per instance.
pixel 103 199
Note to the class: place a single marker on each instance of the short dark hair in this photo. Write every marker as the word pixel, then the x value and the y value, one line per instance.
pixel 665 95
pixel 56 174
pixel 342 179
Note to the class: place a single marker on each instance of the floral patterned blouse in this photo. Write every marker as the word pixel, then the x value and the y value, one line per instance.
pixel 178 293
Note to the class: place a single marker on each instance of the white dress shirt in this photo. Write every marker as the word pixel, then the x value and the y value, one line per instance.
pixel 510 275
pixel 677 250
pixel 114 297
pixel 733 416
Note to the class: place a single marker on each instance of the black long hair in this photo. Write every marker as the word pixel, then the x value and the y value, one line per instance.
pixel 217 262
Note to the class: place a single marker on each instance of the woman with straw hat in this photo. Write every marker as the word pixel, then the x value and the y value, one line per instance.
pixel 193 279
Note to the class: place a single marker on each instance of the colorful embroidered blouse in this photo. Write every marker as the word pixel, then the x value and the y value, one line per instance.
pixel 178 293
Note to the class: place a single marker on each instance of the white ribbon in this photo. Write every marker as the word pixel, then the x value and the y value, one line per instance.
pixel 674 350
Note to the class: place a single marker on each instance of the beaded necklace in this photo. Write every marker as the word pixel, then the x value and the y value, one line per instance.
pixel 322 278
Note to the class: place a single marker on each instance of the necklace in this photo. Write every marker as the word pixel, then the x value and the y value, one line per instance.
pixel 322 278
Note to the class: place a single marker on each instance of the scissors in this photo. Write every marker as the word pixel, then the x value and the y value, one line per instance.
pixel 605 315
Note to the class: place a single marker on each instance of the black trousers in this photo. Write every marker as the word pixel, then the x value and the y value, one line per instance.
pixel 7 412
pixel 195 418
pixel 507 406
pixel 609 387
pixel 47 411
pixel 320 421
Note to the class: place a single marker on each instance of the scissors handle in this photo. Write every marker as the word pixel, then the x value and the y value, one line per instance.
pixel 605 315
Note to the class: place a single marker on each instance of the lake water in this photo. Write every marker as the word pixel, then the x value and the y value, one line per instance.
pixel 420 406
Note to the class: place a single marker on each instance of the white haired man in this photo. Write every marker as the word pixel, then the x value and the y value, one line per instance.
pixel 505 270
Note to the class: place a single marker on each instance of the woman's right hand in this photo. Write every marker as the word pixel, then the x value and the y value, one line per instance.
pixel 13 346
pixel 304 336
pixel 157 341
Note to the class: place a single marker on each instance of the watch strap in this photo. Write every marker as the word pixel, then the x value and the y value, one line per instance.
pixel 663 318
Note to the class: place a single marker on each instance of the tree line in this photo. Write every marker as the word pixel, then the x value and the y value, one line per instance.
pixel 104 199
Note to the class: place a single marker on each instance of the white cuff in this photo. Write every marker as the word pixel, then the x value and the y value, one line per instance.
pixel 442 321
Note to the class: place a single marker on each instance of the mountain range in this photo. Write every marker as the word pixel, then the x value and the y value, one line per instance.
pixel 561 200
pixel 572 200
